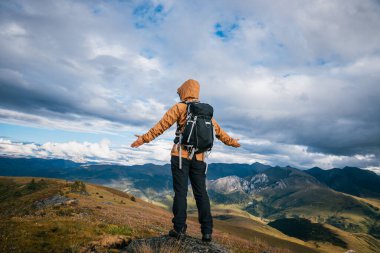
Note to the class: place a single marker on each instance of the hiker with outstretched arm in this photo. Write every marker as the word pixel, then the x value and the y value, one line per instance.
pixel 194 137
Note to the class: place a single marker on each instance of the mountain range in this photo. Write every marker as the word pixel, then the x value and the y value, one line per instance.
pixel 347 199
pixel 351 180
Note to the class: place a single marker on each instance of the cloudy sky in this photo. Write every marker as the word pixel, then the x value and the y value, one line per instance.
pixel 297 81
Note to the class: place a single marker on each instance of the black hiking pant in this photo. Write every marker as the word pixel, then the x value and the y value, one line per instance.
pixel 195 170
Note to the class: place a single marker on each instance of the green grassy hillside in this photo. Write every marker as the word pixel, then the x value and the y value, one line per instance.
pixel 231 219
pixel 48 215
pixel 290 193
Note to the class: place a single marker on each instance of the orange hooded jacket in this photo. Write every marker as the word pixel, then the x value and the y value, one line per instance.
pixel 188 91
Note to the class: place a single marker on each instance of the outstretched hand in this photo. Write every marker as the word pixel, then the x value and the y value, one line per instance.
pixel 236 144
pixel 137 143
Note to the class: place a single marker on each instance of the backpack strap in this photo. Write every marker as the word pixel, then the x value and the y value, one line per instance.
pixel 187 103
pixel 178 133
pixel 178 138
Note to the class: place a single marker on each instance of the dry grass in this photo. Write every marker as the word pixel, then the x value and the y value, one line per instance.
pixel 254 245
pixel 162 247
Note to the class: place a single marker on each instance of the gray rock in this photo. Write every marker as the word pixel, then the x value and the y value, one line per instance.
pixel 169 244
pixel 55 200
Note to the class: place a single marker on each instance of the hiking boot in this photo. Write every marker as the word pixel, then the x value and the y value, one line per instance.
pixel 178 234
pixel 206 237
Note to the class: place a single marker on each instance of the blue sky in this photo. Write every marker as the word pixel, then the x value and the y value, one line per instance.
pixel 297 82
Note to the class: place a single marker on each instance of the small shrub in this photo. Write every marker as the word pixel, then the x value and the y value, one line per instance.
pixel 54 229
pixel 35 186
pixel 79 187
pixel 17 194
pixel 133 198
pixel 65 212
pixel 32 185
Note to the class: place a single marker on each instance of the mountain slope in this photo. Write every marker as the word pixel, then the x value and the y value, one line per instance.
pixel 45 215
pixel 351 180
pixel 285 192
pixel 57 168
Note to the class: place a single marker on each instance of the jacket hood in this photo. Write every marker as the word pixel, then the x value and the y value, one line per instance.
pixel 189 90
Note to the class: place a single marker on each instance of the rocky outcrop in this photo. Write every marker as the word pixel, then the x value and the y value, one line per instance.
pixel 226 184
pixel 56 200
pixel 232 184
pixel 171 245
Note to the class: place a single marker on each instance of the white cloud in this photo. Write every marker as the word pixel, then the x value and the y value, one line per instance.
pixel 297 76
pixel 102 152
pixel 76 151
pixel 273 153
pixel 374 169
pixel 158 152
pixel 72 123
pixel 12 29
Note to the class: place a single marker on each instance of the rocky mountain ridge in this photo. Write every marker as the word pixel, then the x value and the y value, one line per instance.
pixel 248 185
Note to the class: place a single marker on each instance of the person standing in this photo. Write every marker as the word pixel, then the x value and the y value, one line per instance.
pixel 193 168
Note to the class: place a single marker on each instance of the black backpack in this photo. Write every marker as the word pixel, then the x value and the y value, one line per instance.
pixel 198 135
